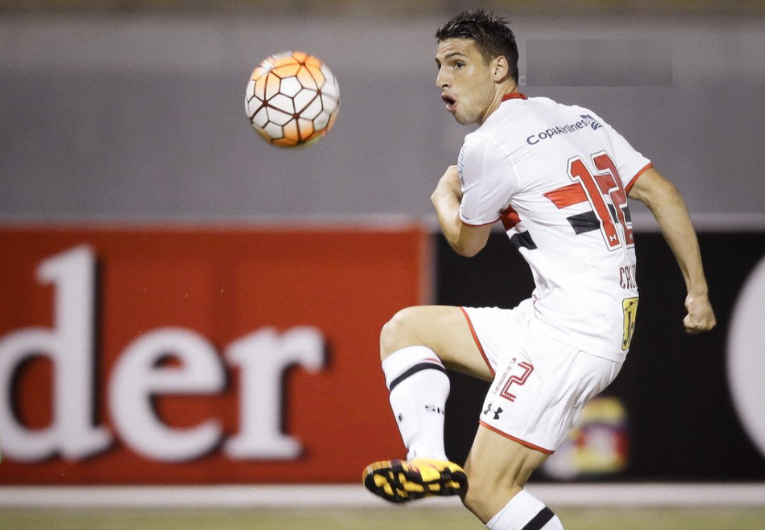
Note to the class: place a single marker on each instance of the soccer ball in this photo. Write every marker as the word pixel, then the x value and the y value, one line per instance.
pixel 292 99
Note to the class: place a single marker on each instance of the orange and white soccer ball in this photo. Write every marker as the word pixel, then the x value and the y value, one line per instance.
pixel 292 99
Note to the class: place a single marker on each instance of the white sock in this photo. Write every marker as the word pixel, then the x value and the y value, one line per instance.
pixel 525 512
pixel 418 387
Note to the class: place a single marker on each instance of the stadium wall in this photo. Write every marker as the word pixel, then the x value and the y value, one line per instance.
pixel 140 117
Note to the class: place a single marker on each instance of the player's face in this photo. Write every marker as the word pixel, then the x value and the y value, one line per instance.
pixel 465 80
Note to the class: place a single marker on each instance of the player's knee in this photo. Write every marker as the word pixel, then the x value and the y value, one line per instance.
pixel 397 332
pixel 485 497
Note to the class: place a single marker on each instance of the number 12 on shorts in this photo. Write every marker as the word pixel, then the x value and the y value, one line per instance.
pixel 522 372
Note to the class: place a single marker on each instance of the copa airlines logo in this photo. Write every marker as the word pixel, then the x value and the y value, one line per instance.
pixel 585 122
pixel 592 122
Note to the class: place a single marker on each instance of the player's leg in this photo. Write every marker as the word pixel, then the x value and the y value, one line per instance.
pixel 443 329
pixel 415 347
pixel 530 408
pixel 498 468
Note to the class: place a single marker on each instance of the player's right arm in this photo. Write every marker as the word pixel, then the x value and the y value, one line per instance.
pixel 470 197
pixel 466 240
pixel 667 206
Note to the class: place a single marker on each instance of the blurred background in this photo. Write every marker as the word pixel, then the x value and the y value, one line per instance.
pixel 134 108
pixel 135 196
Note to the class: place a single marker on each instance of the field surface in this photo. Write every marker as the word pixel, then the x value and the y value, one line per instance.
pixel 691 518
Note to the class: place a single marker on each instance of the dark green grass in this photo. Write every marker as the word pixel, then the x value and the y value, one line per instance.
pixel 370 519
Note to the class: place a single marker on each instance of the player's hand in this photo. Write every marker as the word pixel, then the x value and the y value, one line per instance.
pixel 700 315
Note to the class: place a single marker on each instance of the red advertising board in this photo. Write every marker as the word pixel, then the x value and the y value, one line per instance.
pixel 176 355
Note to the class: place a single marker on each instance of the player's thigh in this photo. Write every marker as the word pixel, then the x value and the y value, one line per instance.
pixel 443 329
pixel 497 468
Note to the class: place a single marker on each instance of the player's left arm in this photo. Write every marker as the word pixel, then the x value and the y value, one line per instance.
pixel 465 239
pixel 667 205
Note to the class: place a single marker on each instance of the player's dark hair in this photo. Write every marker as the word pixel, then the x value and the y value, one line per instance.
pixel 491 33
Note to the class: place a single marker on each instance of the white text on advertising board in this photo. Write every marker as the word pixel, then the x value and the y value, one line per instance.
pixel 138 376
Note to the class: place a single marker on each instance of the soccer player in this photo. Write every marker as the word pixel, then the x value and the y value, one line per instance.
pixel 558 178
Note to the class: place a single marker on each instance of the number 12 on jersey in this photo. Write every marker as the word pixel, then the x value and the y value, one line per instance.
pixel 606 195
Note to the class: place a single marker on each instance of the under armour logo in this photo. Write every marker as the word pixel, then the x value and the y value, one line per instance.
pixel 496 412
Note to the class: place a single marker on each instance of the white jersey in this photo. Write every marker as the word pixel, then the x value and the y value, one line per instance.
pixel 558 176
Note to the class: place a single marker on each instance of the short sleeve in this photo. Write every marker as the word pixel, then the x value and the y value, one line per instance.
pixel 488 180
pixel 629 162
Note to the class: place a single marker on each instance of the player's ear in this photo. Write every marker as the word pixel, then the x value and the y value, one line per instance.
pixel 501 68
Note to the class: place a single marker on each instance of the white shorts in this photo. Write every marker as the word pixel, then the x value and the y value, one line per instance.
pixel 540 384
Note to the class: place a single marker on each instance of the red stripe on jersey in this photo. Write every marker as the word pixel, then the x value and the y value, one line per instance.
pixel 510 218
pixel 567 195
pixel 605 182
pixel 514 95
pixel 513 438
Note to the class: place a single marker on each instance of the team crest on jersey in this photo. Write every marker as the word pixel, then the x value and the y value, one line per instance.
pixel 592 122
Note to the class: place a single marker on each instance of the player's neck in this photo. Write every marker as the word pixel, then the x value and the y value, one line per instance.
pixel 503 93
